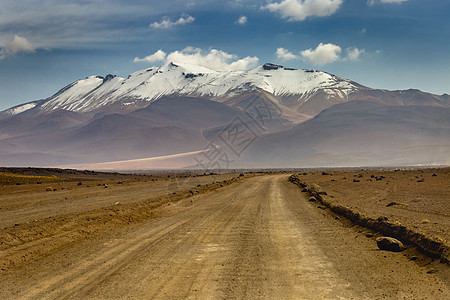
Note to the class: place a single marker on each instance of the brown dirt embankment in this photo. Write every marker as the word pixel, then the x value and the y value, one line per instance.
pixel 410 205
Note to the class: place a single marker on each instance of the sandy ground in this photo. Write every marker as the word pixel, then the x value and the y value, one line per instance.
pixel 419 199
pixel 250 238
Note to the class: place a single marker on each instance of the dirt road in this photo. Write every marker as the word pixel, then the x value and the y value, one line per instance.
pixel 257 238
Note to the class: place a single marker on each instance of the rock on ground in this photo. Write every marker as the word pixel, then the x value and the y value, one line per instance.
pixel 390 244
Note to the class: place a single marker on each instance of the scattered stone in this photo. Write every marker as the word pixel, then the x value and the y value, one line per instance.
pixel 49 189
pixel 413 258
pixel 421 180
pixel 425 221
pixel 369 234
pixel 325 173
pixel 120 182
pixel 355 180
pixel 432 271
pixel 316 189
pixel 390 244
pixel 322 207
pixel 396 204
pixel 434 175
pixel 312 199
pixel 79 183
pixel 304 190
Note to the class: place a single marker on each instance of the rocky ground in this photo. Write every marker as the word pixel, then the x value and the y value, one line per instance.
pixel 418 199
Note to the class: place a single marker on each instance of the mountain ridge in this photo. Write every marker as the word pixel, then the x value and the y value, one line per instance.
pixel 306 117
pixel 148 85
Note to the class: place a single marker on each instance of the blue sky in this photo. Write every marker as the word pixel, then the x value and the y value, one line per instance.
pixel 389 44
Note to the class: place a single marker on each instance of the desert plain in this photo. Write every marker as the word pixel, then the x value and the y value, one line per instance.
pixel 247 235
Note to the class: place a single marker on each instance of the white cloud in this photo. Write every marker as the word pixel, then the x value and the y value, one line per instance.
pixel 285 54
pixel 393 1
pixel 354 53
pixel 373 2
pixel 166 22
pixel 18 45
pixel 299 10
pixel 242 20
pixel 157 56
pixel 214 59
pixel 323 54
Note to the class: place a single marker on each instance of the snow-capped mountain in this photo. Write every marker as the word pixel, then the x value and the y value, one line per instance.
pixel 288 117
pixel 96 92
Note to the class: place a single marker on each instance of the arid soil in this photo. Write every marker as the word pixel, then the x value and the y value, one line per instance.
pixel 221 236
pixel 418 199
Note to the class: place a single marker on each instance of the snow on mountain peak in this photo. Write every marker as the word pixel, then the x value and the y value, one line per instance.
pixel 19 109
pixel 185 79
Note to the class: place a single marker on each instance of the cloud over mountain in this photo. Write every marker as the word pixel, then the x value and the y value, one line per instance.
pixel 323 54
pixel 213 59
pixel 157 56
pixel 285 54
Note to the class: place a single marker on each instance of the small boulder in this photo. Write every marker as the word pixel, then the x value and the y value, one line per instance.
pixel 390 244
pixel 312 199
pixel 316 189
